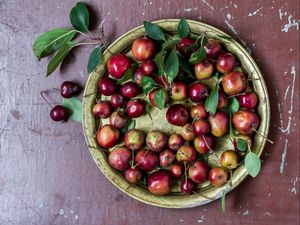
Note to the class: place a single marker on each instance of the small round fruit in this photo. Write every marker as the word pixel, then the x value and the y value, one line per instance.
pixel 229 159
pixel 117 100
pixel 138 76
pixel 102 109
pixel 187 132
pixel 130 89
pixel 222 101
pixel 226 63
pixel 179 91
pixel 198 111
pixel 133 175
pixel 203 70
pixel 69 89
pixel 183 44
pixel 245 138
pixel 107 86
pixel 156 141
pixel 245 121
pixel 177 170
pixel 146 160
pixel 198 92
pixel 143 48
pixel 187 186
pixel 248 100
pixel 177 115
pixel 59 113
pixel 160 182
pixel 217 176
pixel 134 139
pixel 108 136
pixel 186 154
pixel 136 108
pixel 175 141
pixel 148 67
pixel 118 119
pixel 152 95
pixel 212 49
pixel 198 172
pixel 201 127
pixel 119 158
pixel 117 65
pixel 205 143
pixel 219 123
pixel 166 158
pixel 234 83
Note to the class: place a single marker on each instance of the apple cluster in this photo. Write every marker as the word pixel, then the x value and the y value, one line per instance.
pixel 154 157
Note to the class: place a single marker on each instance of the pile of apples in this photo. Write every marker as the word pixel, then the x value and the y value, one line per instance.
pixel 154 158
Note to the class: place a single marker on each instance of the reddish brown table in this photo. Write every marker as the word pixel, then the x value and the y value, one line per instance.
pixel 47 175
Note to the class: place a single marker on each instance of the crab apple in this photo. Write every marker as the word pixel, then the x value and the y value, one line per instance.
pixel 179 91
pixel 244 137
pixel 130 89
pixel 198 92
pixel 212 49
pixel 148 67
pixel 102 109
pixel 146 160
pixel 203 70
pixel 200 127
pixel 177 115
pixel 245 121
pixel 166 158
pixel 108 136
pixel 217 176
pixel 134 139
pixel 219 123
pixel 160 182
pixel 198 111
pixel 205 143
pixel 137 76
pixel 198 172
pixel 59 113
pixel 186 154
pixel 177 170
pixel 187 132
pixel 133 175
pixel 117 100
pixel 175 141
pixel 117 65
pixel 183 44
pixel 226 63
pixel 107 86
pixel 187 186
pixel 152 95
pixel 229 159
pixel 248 100
pixel 136 108
pixel 118 119
pixel 119 158
pixel 222 101
pixel 234 83
pixel 143 48
pixel 69 89
pixel 156 141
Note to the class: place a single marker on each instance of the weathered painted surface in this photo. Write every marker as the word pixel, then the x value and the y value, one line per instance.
pixel 46 173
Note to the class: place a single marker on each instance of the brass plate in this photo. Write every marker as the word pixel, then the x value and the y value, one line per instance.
pixel 207 193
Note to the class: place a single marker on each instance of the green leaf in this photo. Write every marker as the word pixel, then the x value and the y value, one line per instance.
pixel 198 56
pixel 158 59
pixel 241 145
pixel 154 31
pixel 216 75
pixel 95 59
pixel 80 17
pixel 232 106
pixel 171 42
pixel 183 28
pixel 223 198
pixel 171 66
pixel 211 102
pixel 159 99
pixel 185 66
pixel 51 41
pixel 131 125
pixel 74 106
pixel 148 108
pixel 147 84
pixel 252 164
pixel 231 130
pixel 128 74
pixel 59 57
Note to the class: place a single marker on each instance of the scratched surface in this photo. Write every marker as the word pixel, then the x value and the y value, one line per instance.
pixel 47 175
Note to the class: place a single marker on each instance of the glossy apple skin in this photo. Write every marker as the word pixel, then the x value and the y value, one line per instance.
pixel 166 158
pixel 119 158
pixel 229 159
pixel 187 132
pixel 198 92
pixel 118 119
pixel 198 111
pixel 179 91
pixel 186 154
pixel 117 65
pixel 203 70
pixel 130 89
pixel 148 67
pixel 187 186
pixel 102 109
pixel 146 160
pixel 219 123
pixel 183 44
pixel 217 176
pixel 198 172
pixel 212 49
pixel 203 144
pixel 222 101
pixel 160 182
pixel 177 115
pixel 134 139
pixel 138 75
pixel 117 100
pixel 245 121
pixel 244 137
pixel 133 175
pixel 107 86
pixel 175 141
pixel 156 141
pixel 248 100
pixel 177 170
pixel 200 127
pixel 152 94
pixel 108 136
pixel 143 48
pixel 234 83
pixel 136 108
pixel 226 63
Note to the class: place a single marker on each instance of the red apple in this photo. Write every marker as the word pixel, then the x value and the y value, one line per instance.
pixel 117 65
pixel 108 136
pixel 200 127
pixel 133 175
pixel 107 86
pixel 229 159
pixel 187 132
pixel 212 49
pixel 146 160
pixel 198 172
pixel 118 119
pixel 156 141
pixel 187 186
pixel 183 44
pixel 143 48
pixel 186 154
pixel 198 92
pixel 179 91
pixel 130 89
pixel 175 141
pixel 177 115
pixel 148 67
pixel 102 109
pixel 134 139
pixel 245 121
pixel 222 101
pixel 166 158
pixel 203 70
pixel 203 144
pixel 226 63
pixel 198 111
pixel 234 83
pixel 177 170
pixel 117 100
pixel 248 100
pixel 136 108
pixel 217 176
pixel 119 158
pixel 152 95
pixel 160 182
pixel 219 123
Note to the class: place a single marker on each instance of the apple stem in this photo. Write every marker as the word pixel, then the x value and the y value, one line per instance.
pixel 101 149
pixel 42 94
pixel 263 136
pixel 141 160
pixel 87 95
pixel 231 96
pixel 132 158
pixel 185 171
pixel 207 144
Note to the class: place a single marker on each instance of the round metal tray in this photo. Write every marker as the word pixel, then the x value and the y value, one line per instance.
pixel 205 192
